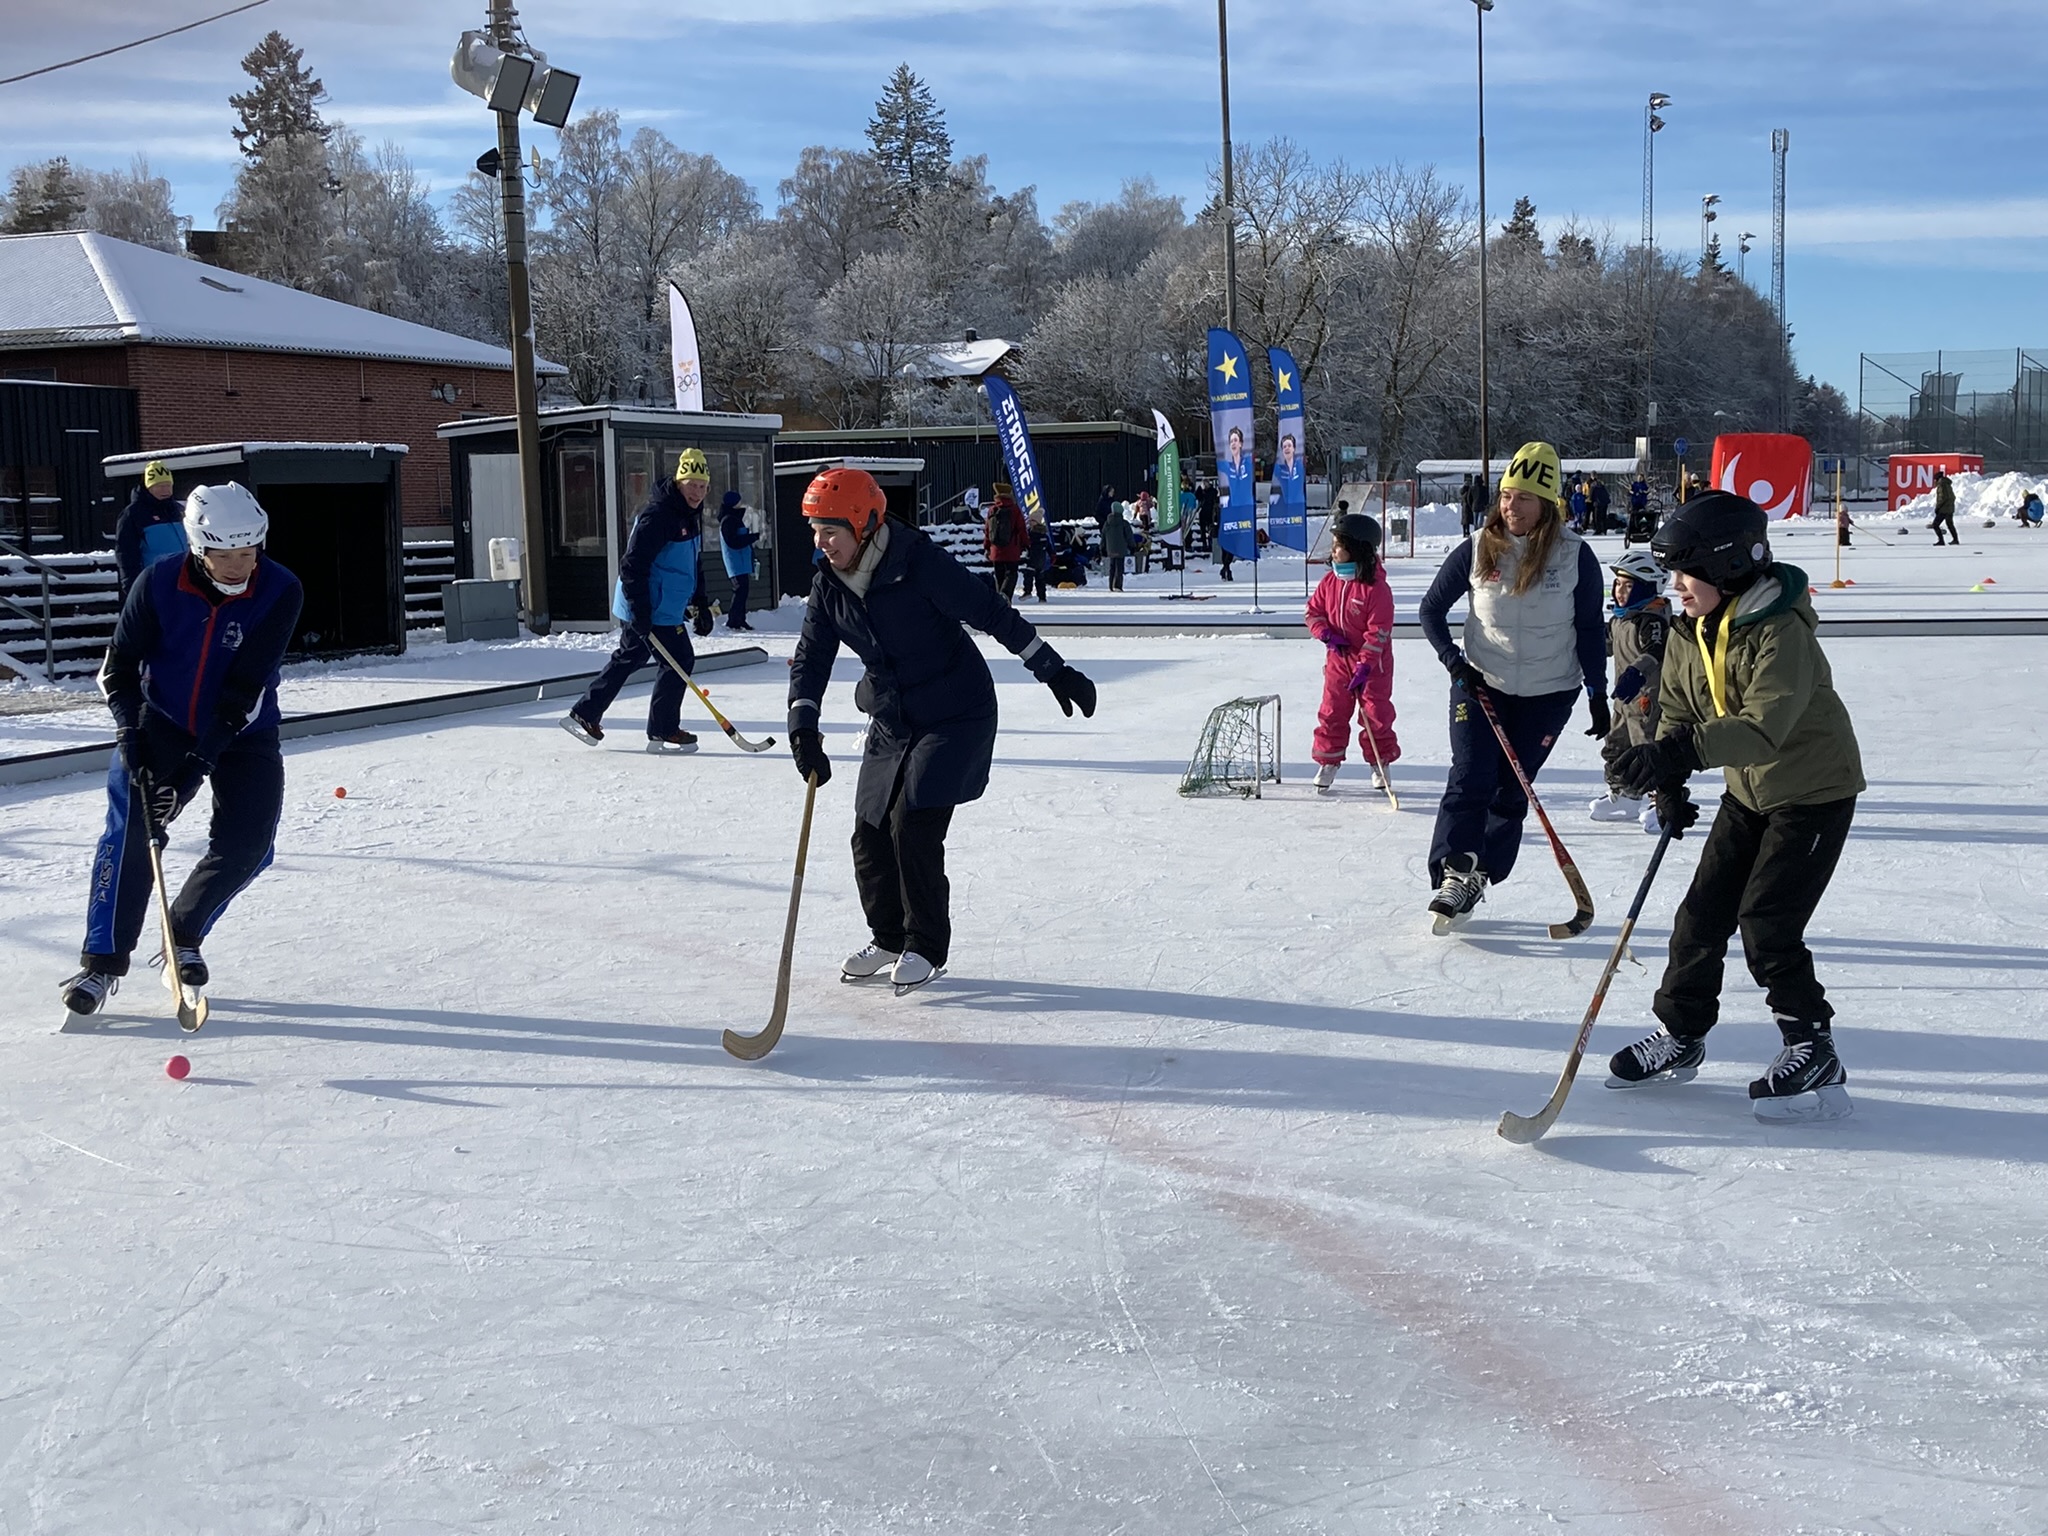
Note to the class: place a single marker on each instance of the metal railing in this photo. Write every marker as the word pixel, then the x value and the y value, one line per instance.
pixel 44 620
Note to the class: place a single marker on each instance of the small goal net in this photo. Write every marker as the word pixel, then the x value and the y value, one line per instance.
pixel 1239 750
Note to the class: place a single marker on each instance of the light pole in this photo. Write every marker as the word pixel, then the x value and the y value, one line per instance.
pixel 1229 193
pixel 1707 217
pixel 1741 255
pixel 499 65
pixel 1652 126
pixel 1479 10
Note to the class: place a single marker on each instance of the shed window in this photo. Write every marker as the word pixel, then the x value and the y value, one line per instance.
pixel 29 504
pixel 582 505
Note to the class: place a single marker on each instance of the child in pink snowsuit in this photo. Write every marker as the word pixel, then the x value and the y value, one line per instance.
pixel 1352 613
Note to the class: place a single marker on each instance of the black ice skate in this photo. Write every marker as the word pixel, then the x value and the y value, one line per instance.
pixel 1659 1058
pixel 192 966
pixel 589 732
pixel 1805 1082
pixel 1463 888
pixel 88 991
pixel 674 743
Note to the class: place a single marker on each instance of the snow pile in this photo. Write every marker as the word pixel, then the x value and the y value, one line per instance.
pixel 1977 497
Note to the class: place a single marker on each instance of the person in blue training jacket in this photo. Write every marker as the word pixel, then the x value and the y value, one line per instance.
pixel 151 526
pixel 191 678
pixel 1535 639
pixel 736 543
pixel 904 606
pixel 657 583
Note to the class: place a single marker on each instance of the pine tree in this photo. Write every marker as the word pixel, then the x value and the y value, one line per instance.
pixel 44 197
pixel 1520 230
pixel 1710 263
pixel 285 101
pixel 908 132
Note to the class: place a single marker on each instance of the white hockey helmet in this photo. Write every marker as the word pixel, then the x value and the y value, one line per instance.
pixel 226 516
pixel 1640 565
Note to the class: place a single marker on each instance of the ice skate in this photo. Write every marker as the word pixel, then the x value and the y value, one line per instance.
pixel 1656 1059
pixel 674 744
pixel 1326 775
pixel 913 971
pixel 866 963
pixel 1652 823
pixel 88 991
pixel 1462 889
pixel 1804 1083
pixel 192 970
pixel 1379 779
pixel 1616 806
pixel 589 732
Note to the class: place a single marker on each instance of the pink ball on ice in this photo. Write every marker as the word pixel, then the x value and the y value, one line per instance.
pixel 178 1067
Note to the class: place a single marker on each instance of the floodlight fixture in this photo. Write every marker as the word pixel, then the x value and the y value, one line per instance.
pixel 554 92
pixel 1658 100
pixel 483 69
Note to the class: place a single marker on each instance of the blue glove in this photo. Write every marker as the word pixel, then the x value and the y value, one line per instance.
pixel 1628 685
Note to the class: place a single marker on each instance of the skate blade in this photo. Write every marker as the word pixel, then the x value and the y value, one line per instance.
pixel 1830 1103
pixel 852 980
pixel 905 987
pixel 1671 1078
pixel 576 731
pixel 1441 925
pixel 663 749
pixel 192 1009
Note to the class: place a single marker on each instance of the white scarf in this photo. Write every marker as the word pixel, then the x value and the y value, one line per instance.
pixel 862 575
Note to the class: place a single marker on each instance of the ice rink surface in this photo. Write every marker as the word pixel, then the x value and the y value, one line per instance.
pixel 1174 1207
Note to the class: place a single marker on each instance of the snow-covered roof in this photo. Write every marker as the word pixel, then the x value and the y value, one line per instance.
pixel 77 288
pixel 207 455
pixel 965 359
pixel 617 415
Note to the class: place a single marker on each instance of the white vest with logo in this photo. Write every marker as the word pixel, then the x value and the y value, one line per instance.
pixel 1527 645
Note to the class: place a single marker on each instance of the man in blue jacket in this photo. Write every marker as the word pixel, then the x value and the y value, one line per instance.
pixel 736 543
pixel 904 605
pixel 151 526
pixel 657 583
pixel 191 678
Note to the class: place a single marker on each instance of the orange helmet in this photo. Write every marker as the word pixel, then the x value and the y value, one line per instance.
pixel 846 496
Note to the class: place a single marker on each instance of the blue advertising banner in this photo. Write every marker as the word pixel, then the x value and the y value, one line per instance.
pixel 1230 419
pixel 1287 523
pixel 1015 436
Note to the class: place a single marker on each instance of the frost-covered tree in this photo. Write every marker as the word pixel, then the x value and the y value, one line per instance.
pixel 43 197
pixel 753 309
pixel 908 138
pixel 836 208
pixel 284 103
pixel 876 328
pixel 135 205
pixel 1114 239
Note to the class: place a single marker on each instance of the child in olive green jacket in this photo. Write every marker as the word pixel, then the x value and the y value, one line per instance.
pixel 1746 688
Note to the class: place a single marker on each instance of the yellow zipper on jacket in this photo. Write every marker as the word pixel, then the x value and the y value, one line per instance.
pixel 1716 663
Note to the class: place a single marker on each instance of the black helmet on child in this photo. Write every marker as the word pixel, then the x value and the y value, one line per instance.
pixel 1360 532
pixel 1718 537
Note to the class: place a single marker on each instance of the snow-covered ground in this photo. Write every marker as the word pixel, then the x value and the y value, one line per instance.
pixel 1176 1207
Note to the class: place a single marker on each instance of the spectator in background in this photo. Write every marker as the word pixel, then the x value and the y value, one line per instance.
pixel 1642 523
pixel 736 545
pixel 1600 500
pixel 1141 538
pixel 1468 506
pixel 151 526
pixel 1004 538
pixel 1037 569
pixel 1116 544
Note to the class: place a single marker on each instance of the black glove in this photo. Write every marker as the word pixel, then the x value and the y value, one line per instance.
pixel 1070 688
pixel 807 746
pixel 167 797
pixel 641 624
pixel 1667 761
pixel 128 741
pixel 1628 685
pixel 700 621
pixel 1464 675
pixel 1675 808
pixel 1603 721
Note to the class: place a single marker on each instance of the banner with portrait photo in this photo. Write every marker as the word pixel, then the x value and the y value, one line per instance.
pixel 1230 419
pixel 1287 523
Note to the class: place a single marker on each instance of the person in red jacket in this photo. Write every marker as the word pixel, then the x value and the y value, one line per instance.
pixel 1352 613
pixel 1004 538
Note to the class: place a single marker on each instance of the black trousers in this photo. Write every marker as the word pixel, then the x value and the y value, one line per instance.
pixel 665 709
pixel 900 868
pixel 1006 583
pixel 1116 573
pixel 248 796
pixel 1946 520
pixel 1483 807
pixel 1762 873
pixel 737 615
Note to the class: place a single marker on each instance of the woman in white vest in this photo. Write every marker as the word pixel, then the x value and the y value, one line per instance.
pixel 1535 637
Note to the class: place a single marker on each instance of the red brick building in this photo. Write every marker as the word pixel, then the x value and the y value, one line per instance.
pixel 218 357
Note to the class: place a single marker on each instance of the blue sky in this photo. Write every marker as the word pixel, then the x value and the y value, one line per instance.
pixel 1918 176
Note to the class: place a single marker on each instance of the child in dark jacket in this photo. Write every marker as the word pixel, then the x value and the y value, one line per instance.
pixel 1637 627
